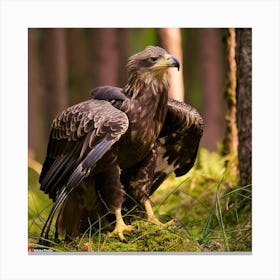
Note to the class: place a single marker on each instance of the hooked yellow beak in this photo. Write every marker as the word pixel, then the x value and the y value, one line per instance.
pixel 168 61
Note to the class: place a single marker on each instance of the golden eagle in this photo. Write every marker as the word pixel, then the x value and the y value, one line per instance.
pixel 120 144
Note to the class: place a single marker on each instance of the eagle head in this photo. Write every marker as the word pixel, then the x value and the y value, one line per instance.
pixel 153 60
pixel 149 67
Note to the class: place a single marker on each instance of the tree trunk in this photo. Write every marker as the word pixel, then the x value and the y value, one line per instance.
pixel 170 39
pixel 123 54
pixel 244 103
pixel 231 137
pixel 34 95
pixel 80 72
pixel 212 87
pixel 106 57
pixel 54 73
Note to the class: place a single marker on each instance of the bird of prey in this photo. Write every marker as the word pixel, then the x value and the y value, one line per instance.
pixel 120 144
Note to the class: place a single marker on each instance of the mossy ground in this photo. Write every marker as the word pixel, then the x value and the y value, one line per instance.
pixel 211 213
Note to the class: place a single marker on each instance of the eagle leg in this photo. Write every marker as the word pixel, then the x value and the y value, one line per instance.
pixel 120 227
pixel 151 216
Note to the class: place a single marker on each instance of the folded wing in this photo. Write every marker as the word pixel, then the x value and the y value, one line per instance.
pixel 80 136
pixel 178 142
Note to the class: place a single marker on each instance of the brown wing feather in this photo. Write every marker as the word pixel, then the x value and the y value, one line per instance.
pixel 76 132
pixel 178 141
pixel 96 123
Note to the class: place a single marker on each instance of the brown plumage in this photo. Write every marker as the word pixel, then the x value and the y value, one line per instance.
pixel 120 144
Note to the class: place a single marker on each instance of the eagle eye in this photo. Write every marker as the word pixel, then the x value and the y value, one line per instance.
pixel 153 59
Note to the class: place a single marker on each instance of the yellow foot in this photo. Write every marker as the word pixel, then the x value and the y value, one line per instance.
pixel 151 216
pixel 156 221
pixel 119 230
pixel 121 227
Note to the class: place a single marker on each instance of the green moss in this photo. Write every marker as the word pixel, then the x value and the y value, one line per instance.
pixel 144 238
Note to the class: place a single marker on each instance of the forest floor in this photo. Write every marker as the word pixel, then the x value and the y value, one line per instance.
pixel 211 214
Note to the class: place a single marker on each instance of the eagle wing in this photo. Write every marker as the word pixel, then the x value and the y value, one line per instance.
pixel 178 141
pixel 80 136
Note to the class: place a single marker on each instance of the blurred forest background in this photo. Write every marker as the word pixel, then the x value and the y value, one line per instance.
pixel 64 64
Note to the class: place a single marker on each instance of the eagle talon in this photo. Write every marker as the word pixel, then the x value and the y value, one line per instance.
pixel 152 218
pixel 120 227
pixel 119 230
pixel 157 222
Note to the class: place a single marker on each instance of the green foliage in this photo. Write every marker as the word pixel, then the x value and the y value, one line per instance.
pixel 211 213
pixel 207 202
pixel 38 203
pixel 142 37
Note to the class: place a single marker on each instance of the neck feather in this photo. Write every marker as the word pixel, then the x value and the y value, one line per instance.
pixel 138 82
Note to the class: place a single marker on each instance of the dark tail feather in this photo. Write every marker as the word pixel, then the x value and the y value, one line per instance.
pixel 46 229
pixel 75 179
